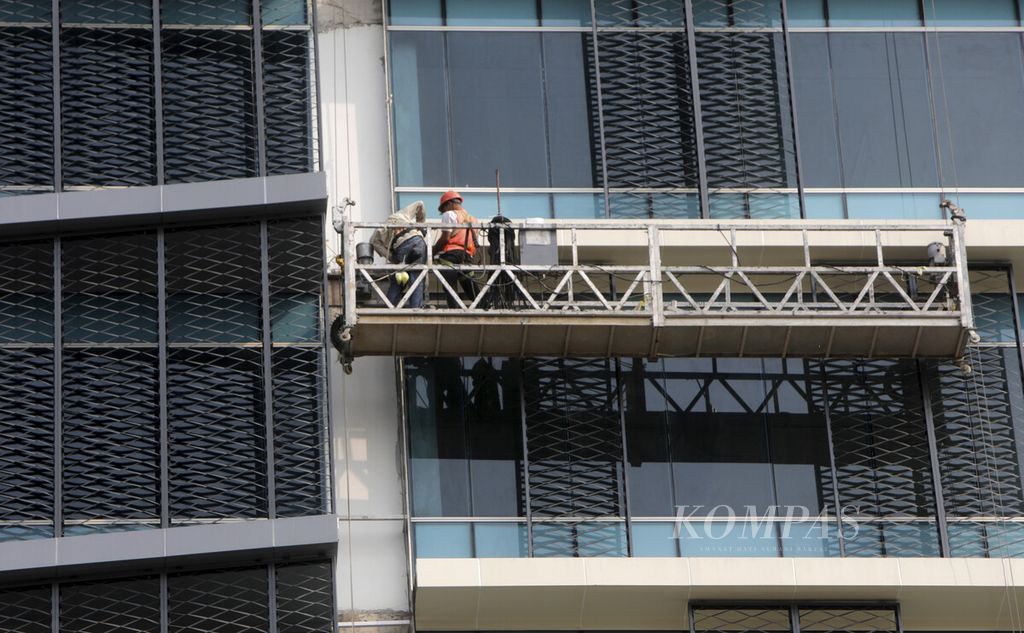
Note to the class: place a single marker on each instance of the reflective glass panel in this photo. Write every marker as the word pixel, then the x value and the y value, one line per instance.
pixel 806 12
pixel 420 109
pixel 414 12
pixel 970 12
pixel 504 13
pixel 565 13
pixel 824 206
pixel 444 540
pixel 737 13
pixel 816 111
pixel 992 206
pixel 654 539
pixel 873 13
pixel 655 205
pixel 500 540
pixel 644 13
pixel 889 206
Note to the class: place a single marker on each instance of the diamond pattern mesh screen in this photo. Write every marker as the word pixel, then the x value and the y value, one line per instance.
pixel 204 12
pixel 648 110
pixel 300 431
pixel 217 436
pixel 26 292
pixel 208 95
pixel 107 107
pixel 111 435
pixel 828 620
pixel 25 10
pixel 750 619
pixel 106 11
pixel 218 602
pixel 643 13
pixel 574 448
pixel 25 610
pixel 287 95
pixel 111 606
pixel 26 103
pixel 305 598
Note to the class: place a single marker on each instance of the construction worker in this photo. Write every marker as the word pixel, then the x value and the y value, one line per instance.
pixel 400 243
pixel 457 246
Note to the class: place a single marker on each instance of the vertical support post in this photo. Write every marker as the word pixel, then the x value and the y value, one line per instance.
pixel 318 86
pixel 58 142
pixel 58 392
pixel 600 110
pixel 933 458
pixel 690 612
pixel 832 461
pixel 1015 304
pixel 158 89
pixel 54 607
pixel 963 281
pixel 698 120
pixel 161 302
pixel 405 441
pixel 348 256
pixel 794 618
pixel 654 254
pixel 268 381
pixel 620 388
pixel 325 346
pixel 164 619
pixel 792 109
pixel 257 74
pixel 526 458
pixel 899 617
pixel 272 597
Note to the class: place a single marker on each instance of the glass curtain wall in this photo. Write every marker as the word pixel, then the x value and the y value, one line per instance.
pixel 723 457
pixel 162 377
pixel 109 93
pixel 673 108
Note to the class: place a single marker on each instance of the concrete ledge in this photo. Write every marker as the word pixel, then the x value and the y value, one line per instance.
pixel 654 593
pixel 22 561
pixel 71 210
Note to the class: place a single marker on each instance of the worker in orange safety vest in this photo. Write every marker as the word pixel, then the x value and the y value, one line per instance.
pixel 457 246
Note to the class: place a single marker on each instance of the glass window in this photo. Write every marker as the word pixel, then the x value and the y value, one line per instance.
pixel 970 12
pixel 497 106
pixel 883 108
pixel 565 13
pixel 816 110
pixel 645 13
pixel 500 540
pixel 806 12
pixel 420 109
pixel 582 206
pixel 566 80
pixel 889 206
pixel 203 12
pixel 873 13
pixel 654 539
pixel 444 540
pixel 759 206
pixel 979 87
pixel 116 12
pixel 414 12
pixel 992 206
pixel 824 206
pixel 25 10
pixel 283 12
pixel 737 13
pixel 504 13
pixel 655 205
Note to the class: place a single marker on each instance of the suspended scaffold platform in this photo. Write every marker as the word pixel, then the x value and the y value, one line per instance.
pixel 666 288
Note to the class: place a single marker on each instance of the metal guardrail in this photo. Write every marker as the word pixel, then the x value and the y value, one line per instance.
pixel 883 276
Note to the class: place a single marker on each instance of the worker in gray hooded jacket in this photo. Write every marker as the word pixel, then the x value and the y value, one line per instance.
pixel 400 243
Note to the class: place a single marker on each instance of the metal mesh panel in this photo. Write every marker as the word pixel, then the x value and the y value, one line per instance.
pixel 25 610
pixel 737 13
pixel 111 435
pixel 218 602
pixel 574 444
pixel 828 620
pixel 107 108
pixel 746 124
pixel 26 292
pixel 746 619
pixel 299 431
pixel 209 116
pixel 215 419
pixel 113 606
pixel 287 98
pixel 648 110
pixel 881 450
pixel 206 12
pixel 992 306
pixel 645 13
pixel 110 289
pixel 25 10
pixel 26 453
pixel 26 105
pixel 284 12
pixel 305 598
pixel 106 11
pixel 213 284
pixel 296 269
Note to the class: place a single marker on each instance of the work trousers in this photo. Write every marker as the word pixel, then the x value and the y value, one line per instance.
pixel 411 251
pixel 458 279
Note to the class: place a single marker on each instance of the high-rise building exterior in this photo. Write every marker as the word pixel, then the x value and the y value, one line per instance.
pixel 744 371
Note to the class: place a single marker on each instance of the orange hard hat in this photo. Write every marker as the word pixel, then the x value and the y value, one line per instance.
pixel 448 196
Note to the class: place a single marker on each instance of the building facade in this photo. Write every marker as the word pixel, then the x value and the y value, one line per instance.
pixel 182 452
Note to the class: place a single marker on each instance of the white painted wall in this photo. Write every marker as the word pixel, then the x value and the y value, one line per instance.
pixel 372 581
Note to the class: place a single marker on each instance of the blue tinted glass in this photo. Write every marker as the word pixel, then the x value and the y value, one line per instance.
pixel 500 540
pixel 806 12
pixel 970 12
pixel 283 12
pixel 579 206
pixel 737 13
pixel 893 206
pixel 565 13
pixel 228 318
pixel 484 206
pixel 728 538
pixel 992 206
pixel 422 155
pixel 414 12
pixel 891 538
pixel 815 107
pixel 812 539
pixel 754 205
pixel 873 13
pixel 443 540
pixel 655 205
pixel 980 79
pixel 655 539
pixel 568 111
pixel 295 317
pixel 1005 540
pixel 504 13
pixel 967 540
pixel 824 206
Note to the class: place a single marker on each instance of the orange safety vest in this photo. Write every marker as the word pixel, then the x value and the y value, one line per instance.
pixel 462 239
